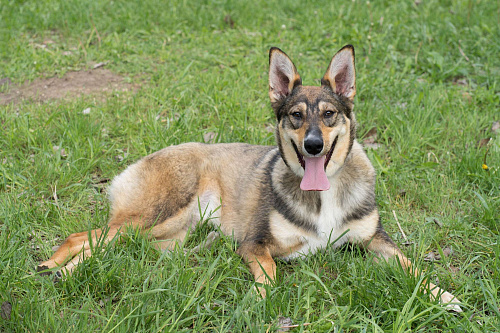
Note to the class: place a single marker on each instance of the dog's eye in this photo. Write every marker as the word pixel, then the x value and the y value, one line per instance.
pixel 329 114
pixel 297 115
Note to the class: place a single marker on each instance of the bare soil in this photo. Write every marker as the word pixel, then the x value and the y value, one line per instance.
pixel 72 84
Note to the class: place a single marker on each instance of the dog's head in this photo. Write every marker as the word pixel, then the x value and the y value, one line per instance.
pixel 316 126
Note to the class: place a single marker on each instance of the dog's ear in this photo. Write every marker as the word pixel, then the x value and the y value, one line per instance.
pixel 283 75
pixel 341 74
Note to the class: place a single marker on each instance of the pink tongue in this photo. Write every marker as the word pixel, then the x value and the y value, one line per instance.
pixel 314 175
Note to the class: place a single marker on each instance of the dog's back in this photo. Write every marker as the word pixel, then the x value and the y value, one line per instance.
pixel 179 185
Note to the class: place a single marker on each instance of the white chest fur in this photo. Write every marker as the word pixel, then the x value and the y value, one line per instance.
pixel 328 227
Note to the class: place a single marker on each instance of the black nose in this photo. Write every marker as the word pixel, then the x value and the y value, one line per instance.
pixel 313 144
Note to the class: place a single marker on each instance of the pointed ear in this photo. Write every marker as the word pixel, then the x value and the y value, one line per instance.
pixel 341 74
pixel 283 75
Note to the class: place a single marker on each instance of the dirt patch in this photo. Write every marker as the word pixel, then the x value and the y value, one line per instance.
pixel 72 83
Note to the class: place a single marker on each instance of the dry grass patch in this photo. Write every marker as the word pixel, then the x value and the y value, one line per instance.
pixel 72 84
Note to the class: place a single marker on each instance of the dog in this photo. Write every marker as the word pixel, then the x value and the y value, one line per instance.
pixel 316 186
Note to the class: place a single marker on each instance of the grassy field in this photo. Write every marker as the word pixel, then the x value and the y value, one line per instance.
pixel 428 81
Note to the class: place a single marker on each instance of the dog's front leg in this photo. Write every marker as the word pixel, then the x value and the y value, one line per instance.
pixel 262 265
pixel 383 245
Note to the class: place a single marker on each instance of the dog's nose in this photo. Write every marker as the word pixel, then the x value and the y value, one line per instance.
pixel 313 144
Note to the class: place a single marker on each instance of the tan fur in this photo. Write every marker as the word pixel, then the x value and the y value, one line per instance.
pixel 252 192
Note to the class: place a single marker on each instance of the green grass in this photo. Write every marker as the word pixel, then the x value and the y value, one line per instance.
pixel 199 74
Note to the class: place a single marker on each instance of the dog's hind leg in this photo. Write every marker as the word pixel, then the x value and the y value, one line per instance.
pixel 170 242
pixel 77 247
pixel 173 231
pixel 207 244
pixel 383 245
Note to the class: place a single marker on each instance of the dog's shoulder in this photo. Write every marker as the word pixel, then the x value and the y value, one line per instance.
pixel 355 185
pixel 358 168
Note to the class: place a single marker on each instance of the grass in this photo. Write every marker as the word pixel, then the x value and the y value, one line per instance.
pixel 427 79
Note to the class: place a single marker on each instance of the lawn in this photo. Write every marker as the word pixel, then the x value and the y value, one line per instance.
pixel 89 87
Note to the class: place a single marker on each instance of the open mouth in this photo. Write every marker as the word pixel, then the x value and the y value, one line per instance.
pixel 315 178
pixel 328 156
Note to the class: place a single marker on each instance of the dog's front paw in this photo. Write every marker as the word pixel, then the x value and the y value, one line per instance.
pixel 450 302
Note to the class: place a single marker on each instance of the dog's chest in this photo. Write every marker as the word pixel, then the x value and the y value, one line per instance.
pixel 328 228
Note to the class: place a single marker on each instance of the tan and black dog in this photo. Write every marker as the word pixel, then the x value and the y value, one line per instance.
pixel 315 187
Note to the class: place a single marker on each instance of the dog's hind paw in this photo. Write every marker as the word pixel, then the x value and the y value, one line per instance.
pixel 450 302
pixel 58 276
pixel 44 271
